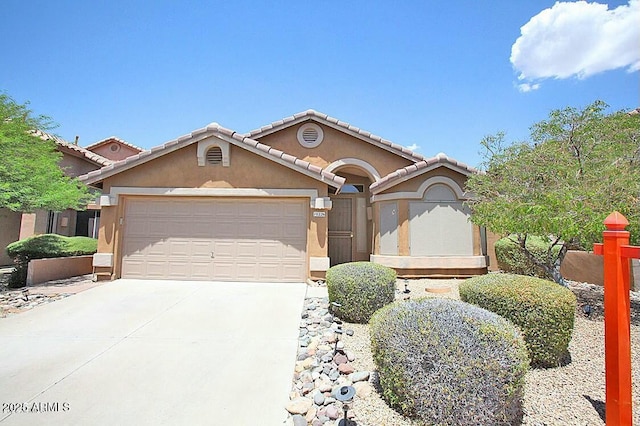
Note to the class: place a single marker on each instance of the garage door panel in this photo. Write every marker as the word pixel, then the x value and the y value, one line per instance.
pixel 156 269
pixel 223 228
pixel 247 249
pixel 293 230
pixel 247 271
pixel 270 271
pixel 227 209
pixel 224 270
pixel 270 231
pixel 201 270
pixel 292 210
pixel 224 249
pixel 215 239
pixel 201 248
pixel 248 230
pixel 293 251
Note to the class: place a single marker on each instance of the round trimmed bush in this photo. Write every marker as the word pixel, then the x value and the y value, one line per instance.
pixel 443 361
pixel 511 257
pixel 360 289
pixel 543 310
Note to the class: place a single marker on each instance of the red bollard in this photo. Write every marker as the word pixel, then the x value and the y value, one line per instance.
pixel 617 329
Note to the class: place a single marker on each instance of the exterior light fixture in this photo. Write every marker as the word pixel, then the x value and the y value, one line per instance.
pixel 345 395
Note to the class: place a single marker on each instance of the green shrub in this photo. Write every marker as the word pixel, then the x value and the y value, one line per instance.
pixel 448 362
pixel 511 258
pixel 543 310
pixel 360 288
pixel 45 246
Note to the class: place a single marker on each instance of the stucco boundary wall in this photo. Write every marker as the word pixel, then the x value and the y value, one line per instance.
pixel 587 267
pixel 43 270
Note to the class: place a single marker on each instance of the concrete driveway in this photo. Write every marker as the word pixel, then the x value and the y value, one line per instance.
pixel 153 353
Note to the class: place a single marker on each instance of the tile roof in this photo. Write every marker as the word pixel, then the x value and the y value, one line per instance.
pixel 214 129
pixel 82 152
pixel 413 170
pixel 112 139
pixel 319 117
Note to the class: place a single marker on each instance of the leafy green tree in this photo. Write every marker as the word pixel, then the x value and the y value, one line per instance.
pixel 580 165
pixel 30 177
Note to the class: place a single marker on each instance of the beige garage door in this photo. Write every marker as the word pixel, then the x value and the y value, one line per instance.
pixel 215 239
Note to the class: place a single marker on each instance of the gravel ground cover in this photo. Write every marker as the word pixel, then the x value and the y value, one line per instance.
pixel 14 301
pixel 573 394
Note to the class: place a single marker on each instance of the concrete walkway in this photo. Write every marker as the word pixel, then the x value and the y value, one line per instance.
pixel 153 353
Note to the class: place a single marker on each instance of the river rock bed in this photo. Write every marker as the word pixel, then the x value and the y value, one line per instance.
pixel 324 365
pixel 14 301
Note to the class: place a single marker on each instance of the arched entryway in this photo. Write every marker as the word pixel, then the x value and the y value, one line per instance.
pixel 350 219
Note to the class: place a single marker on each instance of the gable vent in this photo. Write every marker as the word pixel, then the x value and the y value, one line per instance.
pixel 214 155
pixel 310 135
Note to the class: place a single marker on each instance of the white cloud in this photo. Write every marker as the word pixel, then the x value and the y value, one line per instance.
pixel 577 39
pixel 526 87
pixel 413 147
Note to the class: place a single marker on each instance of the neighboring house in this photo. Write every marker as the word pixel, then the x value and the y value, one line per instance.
pixel 75 161
pixel 114 149
pixel 283 202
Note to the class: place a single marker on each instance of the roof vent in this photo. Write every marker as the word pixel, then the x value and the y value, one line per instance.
pixel 214 155
pixel 310 135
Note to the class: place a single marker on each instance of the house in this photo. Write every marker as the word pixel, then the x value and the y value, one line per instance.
pixel 114 149
pixel 283 202
pixel 75 161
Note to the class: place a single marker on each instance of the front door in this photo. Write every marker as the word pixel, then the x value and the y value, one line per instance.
pixel 341 230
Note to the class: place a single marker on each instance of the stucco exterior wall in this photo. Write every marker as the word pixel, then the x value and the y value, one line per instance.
pixel 75 166
pixel 43 270
pixel 335 146
pixel 180 169
pixel 106 152
pixel 9 232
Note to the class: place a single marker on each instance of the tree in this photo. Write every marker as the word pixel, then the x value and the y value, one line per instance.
pixel 30 177
pixel 579 166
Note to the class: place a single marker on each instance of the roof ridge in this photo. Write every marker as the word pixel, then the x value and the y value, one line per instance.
pixel 251 144
pixel 96 158
pixel 114 138
pixel 312 113
pixel 406 172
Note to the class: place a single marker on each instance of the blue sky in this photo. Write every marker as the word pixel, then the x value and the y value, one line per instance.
pixel 434 75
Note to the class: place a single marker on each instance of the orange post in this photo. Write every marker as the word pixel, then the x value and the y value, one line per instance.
pixel 617 329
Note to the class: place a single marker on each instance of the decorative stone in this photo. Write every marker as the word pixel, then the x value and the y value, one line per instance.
pixel 334 374
pixel 350 355
pixel 340 359
pixel 363 389
pixel 318 398
pixel 330 337
pixel 346 368
pixel 333 412
pixel 340 345
pixel 359 376
pixel 349 332
pixel 298 420
pixel 299 405
pixel 311 414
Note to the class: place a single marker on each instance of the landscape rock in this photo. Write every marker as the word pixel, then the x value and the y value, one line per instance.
pixel 298 420
pixel 299 405
pixel 359 376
